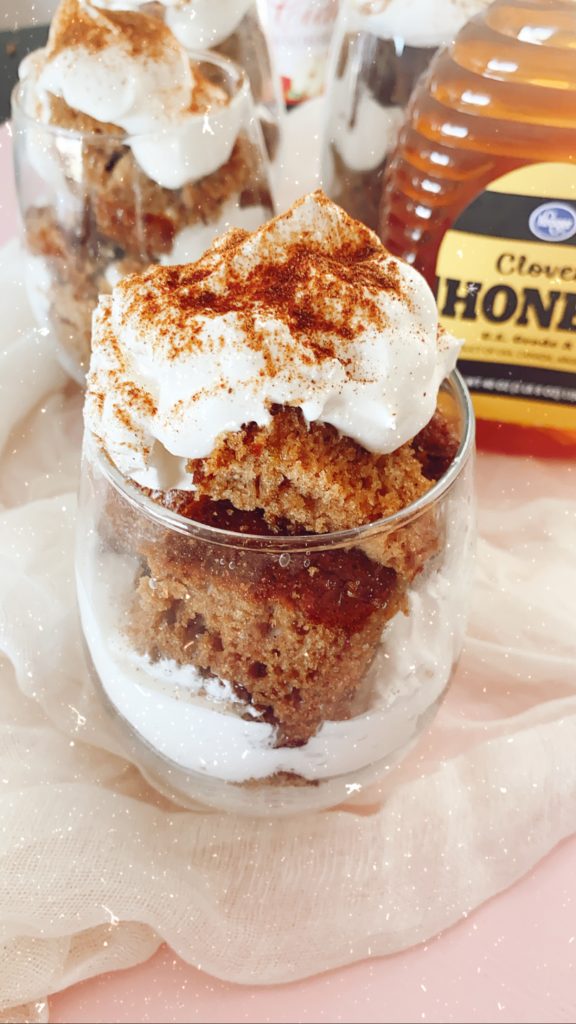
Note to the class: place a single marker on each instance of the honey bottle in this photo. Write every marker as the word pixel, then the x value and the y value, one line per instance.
pixel 480 195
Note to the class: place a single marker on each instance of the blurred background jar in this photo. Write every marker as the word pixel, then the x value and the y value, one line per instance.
pixel 300 32
pixel 480 196
pixel 379 50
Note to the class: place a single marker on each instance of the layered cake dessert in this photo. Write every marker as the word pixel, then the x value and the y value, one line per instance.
pixel 271 595
pixel 381 48
pixel 231 28
pixel 142 155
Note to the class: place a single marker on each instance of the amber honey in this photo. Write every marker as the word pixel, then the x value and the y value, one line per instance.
pixel 480 196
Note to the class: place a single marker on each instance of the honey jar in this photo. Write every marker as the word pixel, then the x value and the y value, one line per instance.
pixel 480 195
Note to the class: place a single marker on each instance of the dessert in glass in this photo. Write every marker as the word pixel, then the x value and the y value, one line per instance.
pixel 128 151
pixel 379 50
pixel 232 28
pixel 275 526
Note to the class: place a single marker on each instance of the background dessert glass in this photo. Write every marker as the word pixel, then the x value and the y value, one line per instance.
pixel 379 50
pixel 91 213
pixel 186 622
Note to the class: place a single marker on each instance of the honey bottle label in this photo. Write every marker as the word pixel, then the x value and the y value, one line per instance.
pixel 506 283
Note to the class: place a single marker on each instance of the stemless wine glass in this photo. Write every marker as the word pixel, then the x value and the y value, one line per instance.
pixel 379 50
pixel 267 674
pixel 97 205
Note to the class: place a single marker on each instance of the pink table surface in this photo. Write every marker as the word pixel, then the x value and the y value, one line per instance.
pixel 512 960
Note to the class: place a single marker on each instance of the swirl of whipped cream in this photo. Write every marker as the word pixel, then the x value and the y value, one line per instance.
pixel 126 69
pixel 201 24
pixel 309 310
pixel 197 24
pixel 420 23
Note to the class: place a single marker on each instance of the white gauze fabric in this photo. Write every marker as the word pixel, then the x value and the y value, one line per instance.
pixel 96 869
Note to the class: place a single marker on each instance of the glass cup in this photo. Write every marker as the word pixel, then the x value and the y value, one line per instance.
pixel 379 50
pixel 269 675
pixel 93 209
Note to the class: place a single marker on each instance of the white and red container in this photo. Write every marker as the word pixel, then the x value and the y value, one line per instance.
pixel 300 32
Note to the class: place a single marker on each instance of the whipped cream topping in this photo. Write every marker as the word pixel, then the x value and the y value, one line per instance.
pixel 309 311
pixel 127 69
pixel 419 23
pixel 197 24
pixel 201 24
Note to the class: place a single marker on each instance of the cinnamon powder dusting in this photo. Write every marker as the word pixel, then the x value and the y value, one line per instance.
pixel 137 33
pixel 131 400
pixel 96 29
pixel 325 292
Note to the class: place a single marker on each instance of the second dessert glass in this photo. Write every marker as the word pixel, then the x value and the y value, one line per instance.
pixel 269 675
pixel 91 213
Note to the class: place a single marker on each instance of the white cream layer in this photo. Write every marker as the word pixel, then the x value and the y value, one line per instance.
pixel 201 24
pixel 152 100
pixel 197 24
pixel 198 727
pixel 425 23
pixel 379 387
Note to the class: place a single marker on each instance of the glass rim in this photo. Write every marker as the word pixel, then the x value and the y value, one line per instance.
pixel 18 114
pixel 177 523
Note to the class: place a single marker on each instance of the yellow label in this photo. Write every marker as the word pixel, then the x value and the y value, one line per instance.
pixel 506 283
